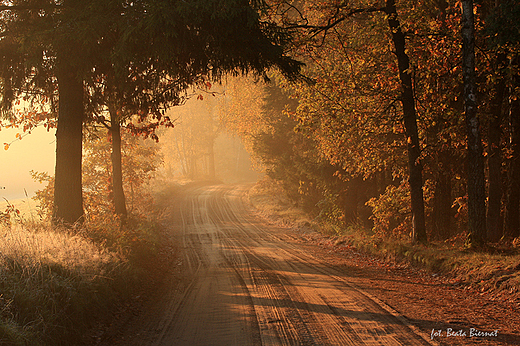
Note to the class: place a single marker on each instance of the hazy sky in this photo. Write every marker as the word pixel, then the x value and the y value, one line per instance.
pixel 34 152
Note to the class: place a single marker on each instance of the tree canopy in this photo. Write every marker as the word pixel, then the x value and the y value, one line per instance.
pixel 149 50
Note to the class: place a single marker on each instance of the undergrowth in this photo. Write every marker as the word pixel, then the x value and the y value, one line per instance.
pixel 495 269
pixel 57 285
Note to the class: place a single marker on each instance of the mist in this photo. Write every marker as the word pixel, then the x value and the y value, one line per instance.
pixel 35 151
pixel 199 147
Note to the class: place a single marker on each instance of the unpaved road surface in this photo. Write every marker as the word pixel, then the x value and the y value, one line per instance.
pixel 239 280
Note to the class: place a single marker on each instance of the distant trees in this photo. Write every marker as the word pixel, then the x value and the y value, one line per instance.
pixel 192 142
pixel 203 146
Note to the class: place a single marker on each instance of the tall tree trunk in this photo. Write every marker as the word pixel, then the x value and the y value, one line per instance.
pixel 182 157
pixel 476 180
pixel 410 124
pixel 494 220
pixel 512 215
pixel 442 199
pixel 68 196
pixel 117 166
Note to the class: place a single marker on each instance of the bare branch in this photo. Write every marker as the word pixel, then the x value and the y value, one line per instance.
pixel 335 20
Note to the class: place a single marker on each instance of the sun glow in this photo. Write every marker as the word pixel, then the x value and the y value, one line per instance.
pixel 35 151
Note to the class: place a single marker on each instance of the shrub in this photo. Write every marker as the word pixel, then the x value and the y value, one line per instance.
pixel 391 211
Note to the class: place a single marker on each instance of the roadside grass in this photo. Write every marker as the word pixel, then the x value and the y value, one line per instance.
pixel 494 270
pixel 56 285
pixel 268 198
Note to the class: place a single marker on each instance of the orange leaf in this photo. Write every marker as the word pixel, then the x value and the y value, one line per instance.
pixel 6 146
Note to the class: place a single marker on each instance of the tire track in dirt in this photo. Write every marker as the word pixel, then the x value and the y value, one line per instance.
pixel 215 309
pixel 240 284
pixel 292 291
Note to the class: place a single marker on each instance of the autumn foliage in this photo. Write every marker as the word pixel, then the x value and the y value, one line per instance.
pixel 339 144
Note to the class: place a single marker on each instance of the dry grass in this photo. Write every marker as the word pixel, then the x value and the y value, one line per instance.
pixel 270 200
pixel 495 271
pixel 26 206
pixel 50 280
pixel 43 246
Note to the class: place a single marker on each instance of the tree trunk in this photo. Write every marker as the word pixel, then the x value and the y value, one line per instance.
pixel 410 124
pixel 351 199
pixel 476 180
pixel 211 163
pixel 117 167
pixel 442 199
pixel 494 220
pixel 193 165
pixel 68 196
pixel 182 156
pixel 512 215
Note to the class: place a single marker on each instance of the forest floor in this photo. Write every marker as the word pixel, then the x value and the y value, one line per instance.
pixel 240 276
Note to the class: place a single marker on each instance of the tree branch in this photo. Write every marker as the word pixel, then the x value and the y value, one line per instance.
pixel 316 29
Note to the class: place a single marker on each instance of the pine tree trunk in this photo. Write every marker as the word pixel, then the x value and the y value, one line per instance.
pixel 117 166
pixel 476 180
pixel 68 196
pixel 410 124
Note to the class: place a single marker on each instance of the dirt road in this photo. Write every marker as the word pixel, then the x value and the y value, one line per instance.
pixel 239 282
